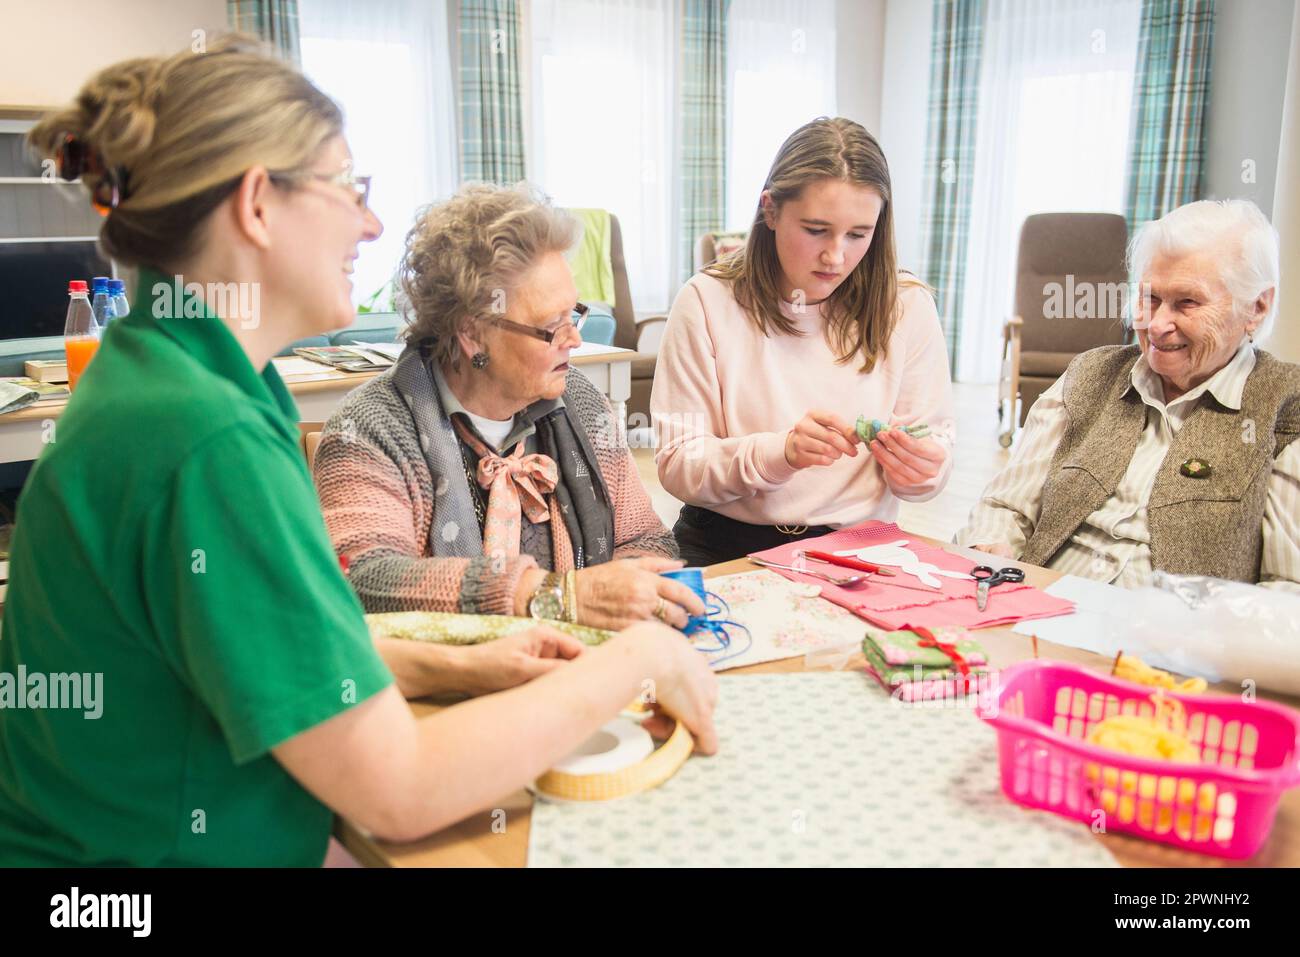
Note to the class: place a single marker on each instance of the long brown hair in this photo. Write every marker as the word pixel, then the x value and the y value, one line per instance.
pixel 862 311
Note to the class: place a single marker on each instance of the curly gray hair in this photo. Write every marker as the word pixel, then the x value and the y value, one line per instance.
pixel 465 256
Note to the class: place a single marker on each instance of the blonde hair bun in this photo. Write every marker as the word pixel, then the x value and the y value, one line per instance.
pixel 179 131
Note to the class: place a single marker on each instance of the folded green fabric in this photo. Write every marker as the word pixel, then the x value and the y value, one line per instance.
pixel 897 656
pixel 446 628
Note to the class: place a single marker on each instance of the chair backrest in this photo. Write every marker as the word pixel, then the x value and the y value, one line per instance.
pixel 1071 281
pixel 309 440
pixel 624 314
pixel 310 443
pixel 713 246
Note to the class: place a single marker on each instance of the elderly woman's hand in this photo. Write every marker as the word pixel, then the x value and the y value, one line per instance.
pixel 616 594
pixel 907 461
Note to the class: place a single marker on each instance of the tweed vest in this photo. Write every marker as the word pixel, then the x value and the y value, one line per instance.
pixel 1198 526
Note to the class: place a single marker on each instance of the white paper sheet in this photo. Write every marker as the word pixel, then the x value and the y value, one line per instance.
pixel 1103 618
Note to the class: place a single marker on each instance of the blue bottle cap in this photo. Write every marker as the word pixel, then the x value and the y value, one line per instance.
pixel 116 285
pixel 100 284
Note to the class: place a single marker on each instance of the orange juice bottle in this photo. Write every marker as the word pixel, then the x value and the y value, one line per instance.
pixel 80 332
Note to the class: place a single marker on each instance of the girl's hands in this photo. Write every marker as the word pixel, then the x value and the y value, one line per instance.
pixel 819 438
pixel 907 461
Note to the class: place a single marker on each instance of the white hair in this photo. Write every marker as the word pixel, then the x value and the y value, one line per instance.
pixel 1248 270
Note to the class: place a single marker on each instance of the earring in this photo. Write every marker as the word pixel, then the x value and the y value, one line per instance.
pixel 479 360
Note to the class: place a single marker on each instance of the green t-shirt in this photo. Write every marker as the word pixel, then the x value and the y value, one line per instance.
pixel 169 539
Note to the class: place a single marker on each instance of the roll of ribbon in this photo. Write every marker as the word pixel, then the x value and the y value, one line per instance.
pixel 618 760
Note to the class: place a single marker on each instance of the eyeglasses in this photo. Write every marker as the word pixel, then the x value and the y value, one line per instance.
pixel 547 334
pixel 358 186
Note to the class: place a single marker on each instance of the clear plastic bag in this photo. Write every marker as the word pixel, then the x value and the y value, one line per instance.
pixel 1221 630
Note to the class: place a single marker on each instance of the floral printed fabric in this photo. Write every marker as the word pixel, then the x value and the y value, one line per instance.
pixel 786 619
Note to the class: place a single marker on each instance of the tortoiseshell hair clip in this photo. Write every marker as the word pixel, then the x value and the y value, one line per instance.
pixel 75 158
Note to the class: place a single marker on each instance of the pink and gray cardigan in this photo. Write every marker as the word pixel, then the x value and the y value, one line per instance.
pixel 398 505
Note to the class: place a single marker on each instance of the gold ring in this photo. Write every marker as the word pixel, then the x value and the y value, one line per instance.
pixel 661 610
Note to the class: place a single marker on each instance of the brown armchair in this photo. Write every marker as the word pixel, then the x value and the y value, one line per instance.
pixel 642 335
pixel 1070 294
pixel 712 246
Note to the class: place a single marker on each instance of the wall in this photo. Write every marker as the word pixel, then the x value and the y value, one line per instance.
pixel 47 50
pixel 1252 39
pixel 1285 342
pixel 859 60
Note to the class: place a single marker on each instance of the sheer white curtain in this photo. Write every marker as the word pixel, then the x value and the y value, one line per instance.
pixel 781 74
pixel 601 90
pixel 1056 84
pixel 387 63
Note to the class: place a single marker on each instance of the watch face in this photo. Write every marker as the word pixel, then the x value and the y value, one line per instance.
pixel 546 604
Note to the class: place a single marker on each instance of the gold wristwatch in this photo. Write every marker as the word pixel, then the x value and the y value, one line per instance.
pixel 548 600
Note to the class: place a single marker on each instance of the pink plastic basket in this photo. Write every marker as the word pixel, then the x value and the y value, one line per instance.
pixel 1225 805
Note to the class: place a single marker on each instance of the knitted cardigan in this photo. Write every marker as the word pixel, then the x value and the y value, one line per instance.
pixel 389 473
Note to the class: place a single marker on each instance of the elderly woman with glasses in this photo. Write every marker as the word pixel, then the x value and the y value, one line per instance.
pixel 482 473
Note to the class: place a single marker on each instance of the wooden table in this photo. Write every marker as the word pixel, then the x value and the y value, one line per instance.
pixel 24 433
pixel 475 843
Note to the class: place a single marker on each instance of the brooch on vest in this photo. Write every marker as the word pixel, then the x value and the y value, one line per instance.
pixel 1195 468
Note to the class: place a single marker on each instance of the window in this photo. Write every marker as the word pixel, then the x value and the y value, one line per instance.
pixel 387 64
pixel 602 134
pixel 1056 82
pixel 781 66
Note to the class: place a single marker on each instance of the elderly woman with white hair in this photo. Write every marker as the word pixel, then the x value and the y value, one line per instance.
pixel 1176 453
pixel 482 473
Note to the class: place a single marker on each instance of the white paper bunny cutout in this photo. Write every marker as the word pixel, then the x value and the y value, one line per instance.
pixel 901 557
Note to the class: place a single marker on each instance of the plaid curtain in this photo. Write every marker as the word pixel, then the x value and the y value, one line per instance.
pixel 1167 130
pixel 958 37
pixel 703 97
pixel 491 115
pixel 275 21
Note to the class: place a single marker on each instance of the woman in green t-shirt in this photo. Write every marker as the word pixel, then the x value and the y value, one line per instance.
pixel 185 674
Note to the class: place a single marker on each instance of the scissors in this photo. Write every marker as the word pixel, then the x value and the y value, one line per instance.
pixel 987 578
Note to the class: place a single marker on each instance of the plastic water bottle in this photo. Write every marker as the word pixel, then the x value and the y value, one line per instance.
pixel 117 290
pixel 101 302
pixel 80 332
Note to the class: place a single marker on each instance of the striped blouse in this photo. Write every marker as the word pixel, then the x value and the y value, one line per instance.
pixel 1114 544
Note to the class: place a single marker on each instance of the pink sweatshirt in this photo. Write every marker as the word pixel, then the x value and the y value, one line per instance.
pixel 725 397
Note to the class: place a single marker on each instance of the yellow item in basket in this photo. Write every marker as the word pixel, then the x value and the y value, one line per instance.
pixel 1133 668
pixel 1161 736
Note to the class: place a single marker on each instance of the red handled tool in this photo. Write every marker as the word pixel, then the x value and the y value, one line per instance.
pixel 845 562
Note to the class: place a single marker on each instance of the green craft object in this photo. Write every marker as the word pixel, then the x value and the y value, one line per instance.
pixel 897 656
pixel 868 429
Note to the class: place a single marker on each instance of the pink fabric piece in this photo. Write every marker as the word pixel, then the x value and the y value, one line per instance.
pixel 936 689
pixel 951 604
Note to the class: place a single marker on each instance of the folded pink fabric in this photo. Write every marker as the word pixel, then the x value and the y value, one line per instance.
pixel 952 603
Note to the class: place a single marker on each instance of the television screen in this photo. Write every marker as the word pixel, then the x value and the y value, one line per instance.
pixel 34 278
